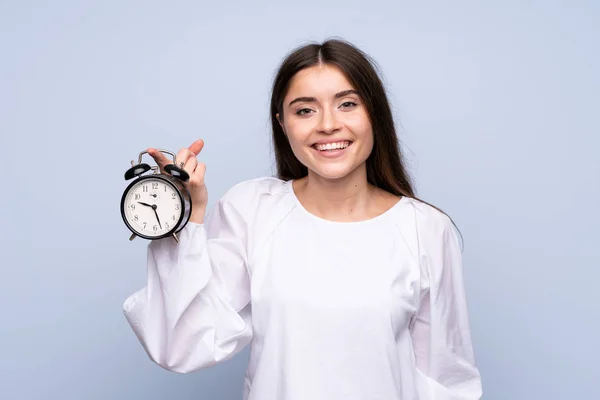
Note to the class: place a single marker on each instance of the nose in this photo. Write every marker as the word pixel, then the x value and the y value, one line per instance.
pixel 328 123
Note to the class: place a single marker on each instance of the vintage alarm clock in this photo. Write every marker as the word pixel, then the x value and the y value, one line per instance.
pixel 156 205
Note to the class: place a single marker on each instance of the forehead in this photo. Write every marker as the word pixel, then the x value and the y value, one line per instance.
pixel 318 80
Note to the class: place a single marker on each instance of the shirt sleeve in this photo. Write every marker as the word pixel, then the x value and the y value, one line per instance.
pixel 440 331
pixel 195 308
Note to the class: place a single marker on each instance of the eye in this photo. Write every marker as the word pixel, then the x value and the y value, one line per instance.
pixel 348 104
pixel 303 111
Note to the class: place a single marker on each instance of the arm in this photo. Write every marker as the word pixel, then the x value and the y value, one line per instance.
pixel 195 308
pixel 440 331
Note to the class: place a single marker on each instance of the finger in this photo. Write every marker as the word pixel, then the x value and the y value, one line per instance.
pixel 197 146
pixel 158 157
pixel 182 157
pixel 190 165
pixel 199 171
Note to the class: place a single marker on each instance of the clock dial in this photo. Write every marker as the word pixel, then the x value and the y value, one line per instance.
pixel 152 207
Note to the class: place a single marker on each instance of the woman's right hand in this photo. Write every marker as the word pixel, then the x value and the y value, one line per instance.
pixel 196 170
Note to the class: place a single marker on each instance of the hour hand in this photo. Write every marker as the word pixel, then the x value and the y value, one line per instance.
pixel 145 204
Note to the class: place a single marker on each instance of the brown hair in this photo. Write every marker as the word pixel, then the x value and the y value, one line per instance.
pixel 385 165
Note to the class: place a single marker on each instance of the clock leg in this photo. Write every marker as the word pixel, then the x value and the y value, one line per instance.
pixel 133 236
pixel 175 237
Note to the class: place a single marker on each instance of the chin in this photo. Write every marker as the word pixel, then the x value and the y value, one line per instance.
pixel 332 172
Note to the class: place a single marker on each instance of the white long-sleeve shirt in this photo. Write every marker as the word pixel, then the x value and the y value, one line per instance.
pixel 369 310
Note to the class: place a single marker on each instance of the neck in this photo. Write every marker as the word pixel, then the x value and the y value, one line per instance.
pixel 345 199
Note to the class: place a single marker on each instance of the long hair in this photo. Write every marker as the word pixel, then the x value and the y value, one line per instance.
pixel 385 165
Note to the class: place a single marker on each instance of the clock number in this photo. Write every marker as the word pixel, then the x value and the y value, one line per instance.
pixel 154 228
pixel 137 196
pixel 177 206
pixel 173 218
pixel 144 227
pixel 135 217
pixel 132 206
pixel 167 225
pixel 173 195
pixel 145 188
pixel 154 185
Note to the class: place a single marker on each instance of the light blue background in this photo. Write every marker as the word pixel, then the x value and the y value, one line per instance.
pixel 499 106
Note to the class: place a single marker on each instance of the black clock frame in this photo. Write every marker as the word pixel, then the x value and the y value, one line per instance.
pixel 184 197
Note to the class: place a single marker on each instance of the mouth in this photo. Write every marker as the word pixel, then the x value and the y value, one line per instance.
pixel 341 145
pixel 334 149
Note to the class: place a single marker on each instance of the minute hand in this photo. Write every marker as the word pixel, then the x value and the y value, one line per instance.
pixel 153 206
pixel 155 213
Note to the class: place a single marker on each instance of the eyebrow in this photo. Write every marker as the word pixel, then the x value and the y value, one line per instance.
pixel 343 93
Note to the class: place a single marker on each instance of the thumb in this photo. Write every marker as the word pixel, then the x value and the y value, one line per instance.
pixel 158 156
pixel 197 146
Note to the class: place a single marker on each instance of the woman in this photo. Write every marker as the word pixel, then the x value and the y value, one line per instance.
pixel 345 284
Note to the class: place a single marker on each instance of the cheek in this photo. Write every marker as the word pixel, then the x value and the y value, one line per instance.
pixel 298 133
pixel 369 139
pixel 297 143
pixel 363 131
pixel 359 123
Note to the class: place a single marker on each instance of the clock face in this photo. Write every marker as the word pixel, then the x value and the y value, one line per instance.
pixel 152 207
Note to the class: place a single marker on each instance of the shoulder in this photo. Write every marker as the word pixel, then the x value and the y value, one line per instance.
pixel 253 189
pixel 244 201
pixel 255 207
pixel 256 198
pixel 433 227
pixel 437 243
pixel 430 217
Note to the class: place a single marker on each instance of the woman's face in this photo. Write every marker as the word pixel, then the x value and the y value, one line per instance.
pixel 326 123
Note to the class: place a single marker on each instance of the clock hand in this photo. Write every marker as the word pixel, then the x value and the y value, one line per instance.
pixel 153 206
pixel 155 213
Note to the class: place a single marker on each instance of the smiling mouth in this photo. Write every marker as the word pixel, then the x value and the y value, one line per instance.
pixel 341 145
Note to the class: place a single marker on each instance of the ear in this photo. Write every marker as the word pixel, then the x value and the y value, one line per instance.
pixel 280 123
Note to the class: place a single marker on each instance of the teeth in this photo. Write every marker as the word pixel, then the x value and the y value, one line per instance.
pixel 332 146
